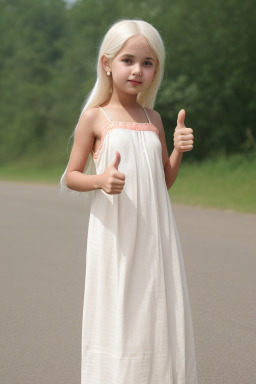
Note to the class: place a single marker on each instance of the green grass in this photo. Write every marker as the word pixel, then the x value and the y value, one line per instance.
pixel 226 183
pixel 31 172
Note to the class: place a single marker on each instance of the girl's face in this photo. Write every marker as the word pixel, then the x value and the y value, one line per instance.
pixel 134 67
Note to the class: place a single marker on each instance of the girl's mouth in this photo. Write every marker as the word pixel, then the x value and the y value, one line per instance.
pixel 134 82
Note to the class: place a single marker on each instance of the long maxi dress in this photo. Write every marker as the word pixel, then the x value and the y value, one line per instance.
pixel 137 326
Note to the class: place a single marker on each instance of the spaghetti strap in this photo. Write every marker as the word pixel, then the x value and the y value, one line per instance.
pixel 105 113
pixel 146 115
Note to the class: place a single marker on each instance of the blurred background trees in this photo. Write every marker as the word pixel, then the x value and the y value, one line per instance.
pixel 48 54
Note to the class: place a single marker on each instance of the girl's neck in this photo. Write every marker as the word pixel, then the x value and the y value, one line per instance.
pixel 125 112
pixel 123 107
pixel 122 100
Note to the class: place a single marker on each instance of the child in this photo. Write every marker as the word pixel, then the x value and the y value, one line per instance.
pixel 137 325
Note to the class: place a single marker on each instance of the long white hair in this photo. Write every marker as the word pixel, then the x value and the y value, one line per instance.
pixel 111 44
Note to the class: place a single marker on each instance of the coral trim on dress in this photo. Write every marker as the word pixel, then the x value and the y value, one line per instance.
pixel 125 125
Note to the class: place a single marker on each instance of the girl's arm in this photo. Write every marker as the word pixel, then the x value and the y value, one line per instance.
pixel 183 142
pixel 111 180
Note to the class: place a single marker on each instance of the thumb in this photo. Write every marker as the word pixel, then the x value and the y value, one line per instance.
pixel 117 160
pixel 180 119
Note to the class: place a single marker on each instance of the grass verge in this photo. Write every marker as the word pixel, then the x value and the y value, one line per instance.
pixel 223 182
pixel 32 172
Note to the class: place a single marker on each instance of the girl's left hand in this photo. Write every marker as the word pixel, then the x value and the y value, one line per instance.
pixel 183 138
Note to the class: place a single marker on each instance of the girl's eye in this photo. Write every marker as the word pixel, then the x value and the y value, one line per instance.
pixel 147 63
pixel 127 61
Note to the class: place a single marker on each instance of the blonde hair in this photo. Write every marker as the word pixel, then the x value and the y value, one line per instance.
pixel 111 44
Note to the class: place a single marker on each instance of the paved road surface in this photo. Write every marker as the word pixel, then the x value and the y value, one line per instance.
pixel 42 247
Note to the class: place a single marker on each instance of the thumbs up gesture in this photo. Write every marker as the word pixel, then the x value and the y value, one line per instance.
pixel 183 138
pixel 112 181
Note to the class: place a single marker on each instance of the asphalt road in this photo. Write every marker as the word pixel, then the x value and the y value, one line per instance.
pixel 42 248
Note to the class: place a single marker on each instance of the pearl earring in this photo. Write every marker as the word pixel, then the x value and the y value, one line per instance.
pixel 108 73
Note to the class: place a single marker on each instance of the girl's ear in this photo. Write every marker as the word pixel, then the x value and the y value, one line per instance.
pixel 105 63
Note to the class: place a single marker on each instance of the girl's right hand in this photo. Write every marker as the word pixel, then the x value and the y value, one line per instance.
pixel 112 181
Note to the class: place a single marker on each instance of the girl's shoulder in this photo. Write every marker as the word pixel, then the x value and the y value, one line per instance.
pixel 91 114
pixel 94 119
pixel 155 119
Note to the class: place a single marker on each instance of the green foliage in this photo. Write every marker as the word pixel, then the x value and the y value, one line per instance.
pixel 47 67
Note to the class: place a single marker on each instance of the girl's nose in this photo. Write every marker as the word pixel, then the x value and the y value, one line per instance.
pixel 136 70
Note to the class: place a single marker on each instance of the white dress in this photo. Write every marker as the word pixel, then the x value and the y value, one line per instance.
pixel 137 326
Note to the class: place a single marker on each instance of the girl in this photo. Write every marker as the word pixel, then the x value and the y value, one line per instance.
pixel 137 325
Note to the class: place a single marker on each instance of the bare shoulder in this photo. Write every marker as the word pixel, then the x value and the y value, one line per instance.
pixel 91 120
pixel 155 119
pixel 89 117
